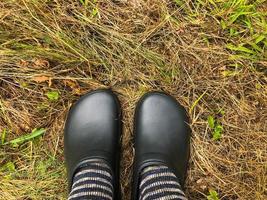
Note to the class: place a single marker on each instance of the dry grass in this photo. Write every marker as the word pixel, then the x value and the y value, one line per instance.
pixel 181 47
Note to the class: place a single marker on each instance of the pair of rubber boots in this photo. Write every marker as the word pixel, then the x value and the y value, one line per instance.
pixel 161 131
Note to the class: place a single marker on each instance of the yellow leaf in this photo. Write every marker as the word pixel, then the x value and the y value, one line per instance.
pixel 71 84
pixel 74 86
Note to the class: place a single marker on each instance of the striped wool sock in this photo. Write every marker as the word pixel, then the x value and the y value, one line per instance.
pixel 93 181
pixel 158 182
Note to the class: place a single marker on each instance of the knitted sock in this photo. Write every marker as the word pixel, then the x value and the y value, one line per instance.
pixel 92 181
pixel 158 182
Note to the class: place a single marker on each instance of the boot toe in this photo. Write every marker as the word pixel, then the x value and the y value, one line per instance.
pixel 92 130
pixel 162 135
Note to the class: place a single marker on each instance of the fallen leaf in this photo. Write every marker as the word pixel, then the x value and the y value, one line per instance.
pixel 53 95
pixel 40 63
pixel 70 83
pixel 73 85
pixel 41 79
pixel 23 63
pixel 77 91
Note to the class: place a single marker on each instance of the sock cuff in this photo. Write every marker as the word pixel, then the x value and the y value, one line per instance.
pixel 92 180
pixel 159 182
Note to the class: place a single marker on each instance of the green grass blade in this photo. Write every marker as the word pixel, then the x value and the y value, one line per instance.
pixel 211 121
pixel 35 133
pixel 239 48
pixel 196 102
pixel 259 39
pixel 3 136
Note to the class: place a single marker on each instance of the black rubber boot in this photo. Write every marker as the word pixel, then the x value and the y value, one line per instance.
pixel 162 136
pixel 93 131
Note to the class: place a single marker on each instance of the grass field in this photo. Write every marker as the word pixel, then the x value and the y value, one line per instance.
pixel 209 54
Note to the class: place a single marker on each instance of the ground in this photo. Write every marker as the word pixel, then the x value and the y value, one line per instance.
pixel 209 54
